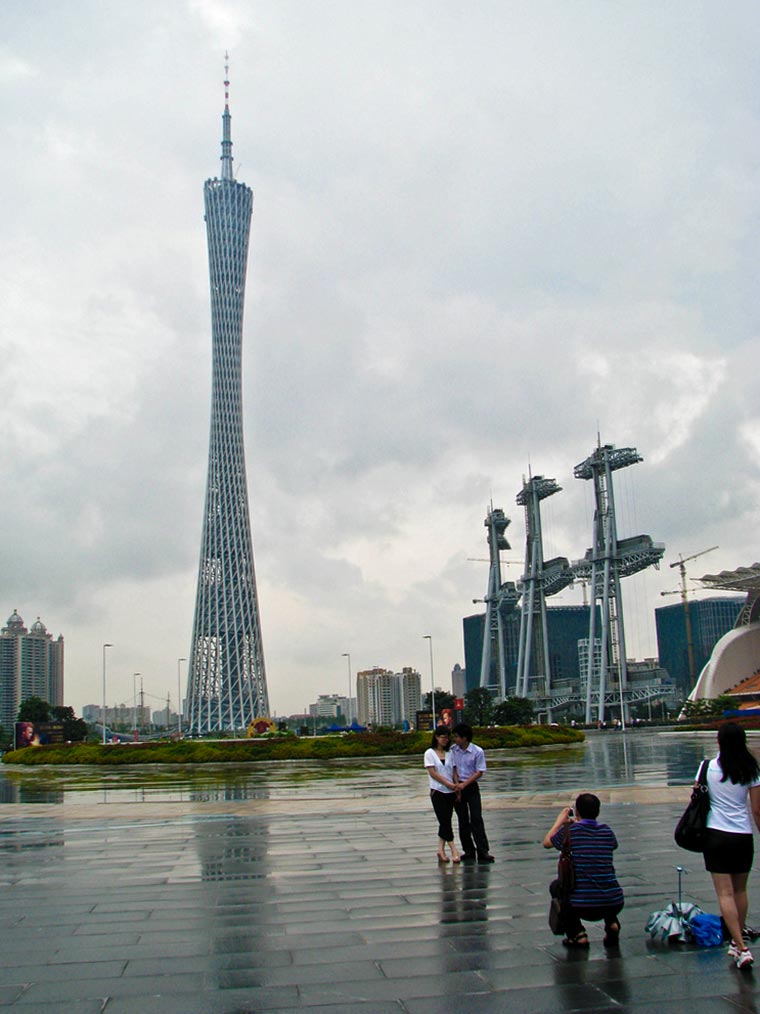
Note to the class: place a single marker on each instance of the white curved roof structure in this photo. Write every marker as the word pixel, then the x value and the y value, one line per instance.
pixel 735 659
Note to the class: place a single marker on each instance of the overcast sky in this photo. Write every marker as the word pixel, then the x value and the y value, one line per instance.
pixel 482 233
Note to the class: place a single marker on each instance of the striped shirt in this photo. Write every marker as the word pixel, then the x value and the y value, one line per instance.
pixel 596 885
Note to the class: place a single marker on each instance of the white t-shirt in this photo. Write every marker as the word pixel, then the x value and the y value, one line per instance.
pixel 729 803
pixel 444 767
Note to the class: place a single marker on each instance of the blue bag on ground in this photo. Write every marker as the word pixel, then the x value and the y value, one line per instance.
pixel 706 930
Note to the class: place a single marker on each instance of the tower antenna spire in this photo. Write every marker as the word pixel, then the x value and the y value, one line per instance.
pixel 226 124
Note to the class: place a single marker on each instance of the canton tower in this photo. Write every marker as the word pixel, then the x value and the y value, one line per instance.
pixel 227 686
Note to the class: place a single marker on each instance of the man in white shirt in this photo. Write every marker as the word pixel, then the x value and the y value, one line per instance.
pixel 469 766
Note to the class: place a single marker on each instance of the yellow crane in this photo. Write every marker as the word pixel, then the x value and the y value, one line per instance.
pixel 683 592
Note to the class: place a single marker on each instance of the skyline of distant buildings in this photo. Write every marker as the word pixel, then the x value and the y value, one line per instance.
pixel 31 663
pixel 124 715
pixel 568 646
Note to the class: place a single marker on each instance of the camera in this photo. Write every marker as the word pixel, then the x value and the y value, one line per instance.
pixel 571 812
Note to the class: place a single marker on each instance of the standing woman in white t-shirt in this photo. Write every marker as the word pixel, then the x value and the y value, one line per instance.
pixel 440 771
pixel 733 781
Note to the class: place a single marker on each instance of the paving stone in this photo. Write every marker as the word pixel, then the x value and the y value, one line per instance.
pixel 193 909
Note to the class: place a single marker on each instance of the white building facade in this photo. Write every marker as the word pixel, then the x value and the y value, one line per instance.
pixel 387 698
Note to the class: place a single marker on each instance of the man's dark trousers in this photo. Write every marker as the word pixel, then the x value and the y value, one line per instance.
pixel 472 831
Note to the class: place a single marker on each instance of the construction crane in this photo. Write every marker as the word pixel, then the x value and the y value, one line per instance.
pixel 482 559
pixel 684 593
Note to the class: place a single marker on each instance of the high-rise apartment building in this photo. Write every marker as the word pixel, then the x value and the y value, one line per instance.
pixel 387 698
pixel 410 694
pixel 31 665
pixel 227 685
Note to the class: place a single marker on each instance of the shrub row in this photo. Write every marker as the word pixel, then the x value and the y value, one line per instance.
pixel 369 744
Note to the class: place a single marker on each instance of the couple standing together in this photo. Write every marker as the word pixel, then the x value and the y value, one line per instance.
pixel 453 775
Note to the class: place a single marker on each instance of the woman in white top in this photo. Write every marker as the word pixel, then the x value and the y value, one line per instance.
pixel 438 762
pixel 733 781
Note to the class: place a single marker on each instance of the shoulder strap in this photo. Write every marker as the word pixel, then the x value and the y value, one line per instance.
pixel 702 777
pixel 567 843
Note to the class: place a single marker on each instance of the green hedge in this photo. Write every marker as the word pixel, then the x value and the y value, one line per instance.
pixel 367 744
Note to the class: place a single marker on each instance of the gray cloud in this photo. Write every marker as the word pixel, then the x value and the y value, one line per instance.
pixel 479 234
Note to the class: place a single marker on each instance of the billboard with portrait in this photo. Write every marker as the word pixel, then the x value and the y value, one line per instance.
pixel 37 734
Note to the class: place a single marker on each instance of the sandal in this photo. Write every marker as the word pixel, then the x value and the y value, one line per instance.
pixel 579 940
pixel 612 934
pixel 442 859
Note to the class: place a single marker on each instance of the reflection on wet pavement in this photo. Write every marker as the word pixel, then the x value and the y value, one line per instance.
pixel 269 908
pixel 640 757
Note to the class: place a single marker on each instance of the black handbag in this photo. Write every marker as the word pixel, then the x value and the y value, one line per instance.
pixel 556 921
pixel 691 829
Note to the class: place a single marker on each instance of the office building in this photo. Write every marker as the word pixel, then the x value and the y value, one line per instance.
pixel 31 665
pixel 227 686
pixel 458 681
pixel 474 630
pixel 330 706
pixel 709 618
pixel 566 626
pixel 165 718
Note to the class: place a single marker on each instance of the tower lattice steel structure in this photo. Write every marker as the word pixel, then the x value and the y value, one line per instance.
pixel 227 686
pixel 541 579
pixel 500 598
pixel 607 561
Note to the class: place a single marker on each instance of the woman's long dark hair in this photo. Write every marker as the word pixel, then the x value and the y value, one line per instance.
pixel 736 762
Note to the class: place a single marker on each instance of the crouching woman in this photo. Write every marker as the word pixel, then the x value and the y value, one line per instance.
pixel 597 894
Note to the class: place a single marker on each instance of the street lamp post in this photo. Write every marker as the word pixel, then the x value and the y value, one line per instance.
pixel 134 701
pixel 429 639
pixel 103 711
pixel 179 698
pixel 348 716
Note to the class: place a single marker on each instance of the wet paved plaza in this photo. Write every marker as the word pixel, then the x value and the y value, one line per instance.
pixel 299 899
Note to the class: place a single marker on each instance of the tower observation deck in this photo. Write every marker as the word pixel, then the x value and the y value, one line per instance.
pixel 227 686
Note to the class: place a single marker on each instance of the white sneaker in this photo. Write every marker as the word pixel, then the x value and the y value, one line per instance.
pixel 744 959
pixel 733 950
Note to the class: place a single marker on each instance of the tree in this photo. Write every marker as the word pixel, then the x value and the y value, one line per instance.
pixel 708 707
pixel 478 706
pixel 74 729
pixel 33 709
pixel 442 700
pixel 514 711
